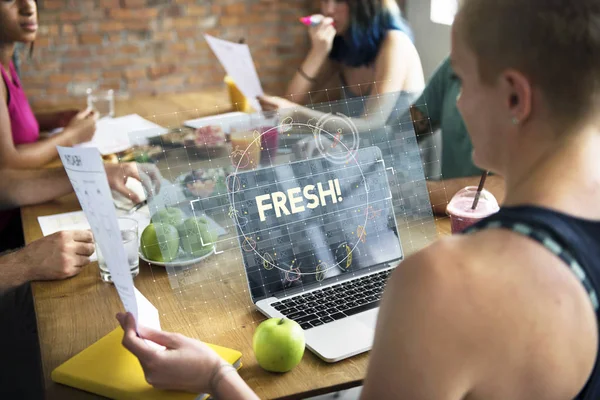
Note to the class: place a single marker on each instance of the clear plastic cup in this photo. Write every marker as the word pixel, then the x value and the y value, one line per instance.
pixel 462 215
pixel 269 137
pixel 129 236
pixel 102 102
pixel 245 147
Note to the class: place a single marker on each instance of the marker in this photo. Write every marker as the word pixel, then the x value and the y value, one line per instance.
pixel 312 20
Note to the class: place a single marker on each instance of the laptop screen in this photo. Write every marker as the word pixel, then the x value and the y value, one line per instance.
pixel 309 223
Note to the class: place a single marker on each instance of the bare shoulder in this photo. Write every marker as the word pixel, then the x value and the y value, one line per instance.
pixel 397 44
pixel 396 37
pixel 497 295
pixel 400 44
pixel 399 56
pixel 474 259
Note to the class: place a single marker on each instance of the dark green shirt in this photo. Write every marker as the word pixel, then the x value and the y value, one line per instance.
pixel 438 102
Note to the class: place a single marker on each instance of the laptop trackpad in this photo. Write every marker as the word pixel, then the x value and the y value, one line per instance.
pixel 369 318
pixel 344 337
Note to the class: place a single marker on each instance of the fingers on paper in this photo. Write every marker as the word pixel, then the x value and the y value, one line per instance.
pixel 167 339
pixel 131 341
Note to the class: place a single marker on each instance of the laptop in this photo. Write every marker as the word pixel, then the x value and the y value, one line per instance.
pixel 319 240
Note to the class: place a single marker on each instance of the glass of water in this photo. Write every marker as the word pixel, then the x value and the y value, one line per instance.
pixel 102 101
pixel 129 236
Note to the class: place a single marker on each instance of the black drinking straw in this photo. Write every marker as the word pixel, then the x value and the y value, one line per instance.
pixel 479 189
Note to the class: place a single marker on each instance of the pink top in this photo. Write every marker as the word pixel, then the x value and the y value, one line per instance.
pixel 24 126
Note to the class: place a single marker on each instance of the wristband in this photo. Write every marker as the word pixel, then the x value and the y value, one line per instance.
pixel 218 375
pixel 308 78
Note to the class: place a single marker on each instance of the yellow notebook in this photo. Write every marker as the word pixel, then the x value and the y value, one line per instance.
pixel 108 369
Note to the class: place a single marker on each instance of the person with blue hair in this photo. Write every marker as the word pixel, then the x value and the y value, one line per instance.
pixel 364 46
pixel 365 43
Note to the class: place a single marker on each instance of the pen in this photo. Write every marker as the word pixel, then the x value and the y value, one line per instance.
pixel 137 206
pixel 312 20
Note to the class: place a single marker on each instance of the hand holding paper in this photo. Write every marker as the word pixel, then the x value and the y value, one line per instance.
pixel 87 175
pixel 237 61
pixel 185 364
pixel 118 134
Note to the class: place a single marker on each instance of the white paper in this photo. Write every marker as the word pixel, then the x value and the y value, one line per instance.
pixel 65 222
pixel 88 177
pixel 118 134
pixel 237 61
pixel 77 221
pixel 223 120
pixel 149 315
pixel 147 312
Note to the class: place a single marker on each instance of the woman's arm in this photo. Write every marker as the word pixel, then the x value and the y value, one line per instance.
pixel 185 364
pixel 316 68
pixel 317 72
pixel 20 188
pixel 53 120
pixel 38 154
pixel 398 65
pixel 232 386
pixel 25 187
pixel 397 69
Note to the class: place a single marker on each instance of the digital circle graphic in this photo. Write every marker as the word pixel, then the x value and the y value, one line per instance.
pixel 333 148
pixel 343 155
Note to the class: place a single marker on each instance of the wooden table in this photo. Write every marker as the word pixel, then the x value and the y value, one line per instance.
pixel 209 302
pixel 207 102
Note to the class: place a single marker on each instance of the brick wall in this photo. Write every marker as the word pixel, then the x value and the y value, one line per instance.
pixel 148 47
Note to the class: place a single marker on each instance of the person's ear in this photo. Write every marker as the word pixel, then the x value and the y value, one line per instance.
pixel 518 94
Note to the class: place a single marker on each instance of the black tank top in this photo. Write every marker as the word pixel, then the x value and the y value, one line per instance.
pixel 575 241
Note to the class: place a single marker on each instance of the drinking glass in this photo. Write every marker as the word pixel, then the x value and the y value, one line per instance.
pixel 102 101
pixel 245 146
pixel 129 236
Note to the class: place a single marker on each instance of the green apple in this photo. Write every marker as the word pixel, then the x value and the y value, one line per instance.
pixel 170 215
pixel 278 344
pixel 197 238
pixel 160 242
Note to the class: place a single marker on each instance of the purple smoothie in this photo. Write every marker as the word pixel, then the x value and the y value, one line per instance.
pixel 460 212
pixel 269 141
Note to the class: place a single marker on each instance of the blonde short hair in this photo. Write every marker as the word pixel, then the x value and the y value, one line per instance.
pixel 555 43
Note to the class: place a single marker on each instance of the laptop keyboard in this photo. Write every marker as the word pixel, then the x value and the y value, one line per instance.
pixel 335 302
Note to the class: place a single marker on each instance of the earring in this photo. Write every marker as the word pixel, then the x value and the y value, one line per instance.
pixel 515 121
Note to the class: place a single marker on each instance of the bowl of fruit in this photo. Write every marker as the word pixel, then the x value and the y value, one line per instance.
pixel 174 239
